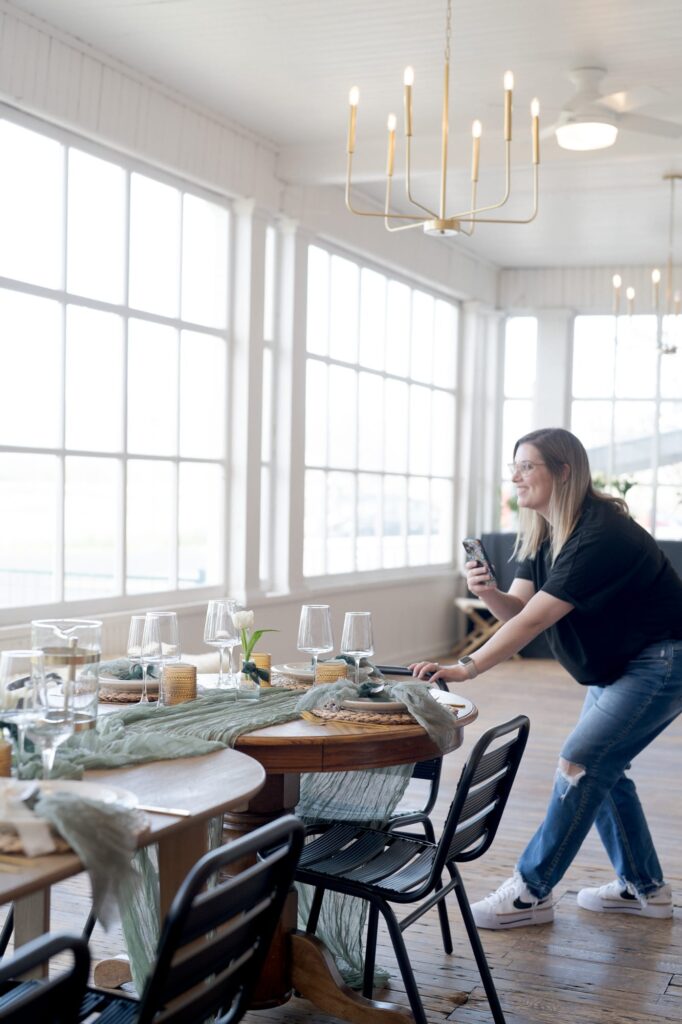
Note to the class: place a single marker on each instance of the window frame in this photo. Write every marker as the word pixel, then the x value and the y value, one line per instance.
pixel 329 582
pixel 121 601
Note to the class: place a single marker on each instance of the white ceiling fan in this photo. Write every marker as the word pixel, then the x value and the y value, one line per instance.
pixel 591 120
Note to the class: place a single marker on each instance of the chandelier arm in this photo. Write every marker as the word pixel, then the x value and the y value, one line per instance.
pixel 514 220
pixel 471 230
pixel 387 211
pixel 494 206
pixel 374 213
pixel 408 179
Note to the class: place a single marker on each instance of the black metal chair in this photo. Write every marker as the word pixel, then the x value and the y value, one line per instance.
pixel 385 867
pixel 57 1001
pixel 214 940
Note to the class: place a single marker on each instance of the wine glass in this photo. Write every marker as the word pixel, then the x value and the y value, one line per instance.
pixel 51 719
pixel 357 640
pixel 160 644
pixel 315 632
pixel 20 673
pixel 221 632
pixel 134 648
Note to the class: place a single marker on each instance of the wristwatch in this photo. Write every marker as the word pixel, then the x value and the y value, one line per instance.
pixel 469 666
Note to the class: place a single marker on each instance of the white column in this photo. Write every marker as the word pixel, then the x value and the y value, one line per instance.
pixel 246 384
pixel 554 371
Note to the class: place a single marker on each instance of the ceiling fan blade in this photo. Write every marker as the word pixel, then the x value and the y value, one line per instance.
pixel 650 125
pixel 632 99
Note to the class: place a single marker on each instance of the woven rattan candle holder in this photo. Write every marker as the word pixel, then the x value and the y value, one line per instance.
pixel 263 661
pixel 5 759
pixel 178 683
pixel 330 671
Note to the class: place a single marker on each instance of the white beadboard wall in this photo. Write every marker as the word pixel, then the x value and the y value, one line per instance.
pixel 580 289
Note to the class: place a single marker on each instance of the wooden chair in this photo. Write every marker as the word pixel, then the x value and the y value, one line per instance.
pixel 215 940
pixel 57 1001
pixel 387 868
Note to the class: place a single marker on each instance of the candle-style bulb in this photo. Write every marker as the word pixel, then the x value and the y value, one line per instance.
pixel 508 81
pixel 408 75
pixel 354 96
pixel 476 129
pixel 535 107
pixel 630 294
pixel 656 276
pixel 391 122
pixel 617 281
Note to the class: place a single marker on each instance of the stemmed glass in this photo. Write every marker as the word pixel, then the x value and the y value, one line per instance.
pixel 221 632
pixel 315 632
pixel 160 644
pixel 134 648
pixel 20 673
pixel 51 719
pixel 357 640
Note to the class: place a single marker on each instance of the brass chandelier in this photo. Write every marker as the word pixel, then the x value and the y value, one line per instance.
pixel 672 298
pixel 438 222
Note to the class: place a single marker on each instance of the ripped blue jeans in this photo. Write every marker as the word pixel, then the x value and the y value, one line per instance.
pixel 616 723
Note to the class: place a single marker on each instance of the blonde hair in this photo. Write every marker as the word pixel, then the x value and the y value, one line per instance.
pixel 558 449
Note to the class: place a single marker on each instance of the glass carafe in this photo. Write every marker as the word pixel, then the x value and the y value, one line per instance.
pixel 72 649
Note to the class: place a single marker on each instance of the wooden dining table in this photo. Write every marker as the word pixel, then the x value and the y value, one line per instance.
pixel 204 787
pixel 299 962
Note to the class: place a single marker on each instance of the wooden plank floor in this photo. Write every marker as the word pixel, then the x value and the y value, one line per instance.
pixel 584 968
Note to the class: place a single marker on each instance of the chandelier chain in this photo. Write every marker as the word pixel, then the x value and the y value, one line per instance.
pixel 448 30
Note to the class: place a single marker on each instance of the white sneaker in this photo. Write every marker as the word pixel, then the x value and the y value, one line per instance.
pixel 616 898
pixel 512 906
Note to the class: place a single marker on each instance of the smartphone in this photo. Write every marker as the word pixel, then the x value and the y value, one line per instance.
pixel 477 553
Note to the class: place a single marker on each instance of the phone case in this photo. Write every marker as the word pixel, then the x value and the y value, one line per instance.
pixel 477 553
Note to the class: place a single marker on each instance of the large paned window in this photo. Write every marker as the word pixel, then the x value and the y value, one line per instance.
pixel 627 411
pixel 113 376
pixel 380 420
pixel 520 357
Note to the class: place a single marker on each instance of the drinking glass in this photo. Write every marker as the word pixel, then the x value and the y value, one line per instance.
pixel 357 640
pixel 134 648
pixel 20 673
pixel 52 718
pixel 221 632
pixel 315 632
pixel 160 644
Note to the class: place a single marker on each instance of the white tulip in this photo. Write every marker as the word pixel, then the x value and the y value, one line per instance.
pixel 243 620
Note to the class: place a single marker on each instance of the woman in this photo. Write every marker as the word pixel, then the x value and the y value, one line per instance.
pixel 611 605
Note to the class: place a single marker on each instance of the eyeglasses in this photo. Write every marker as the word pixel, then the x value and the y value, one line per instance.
pixel 524 468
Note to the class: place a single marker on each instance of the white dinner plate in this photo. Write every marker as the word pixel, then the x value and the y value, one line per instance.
pixel 127 685
pixel 303 670
pixel 101 791
pixel 380 706
pixel 463 706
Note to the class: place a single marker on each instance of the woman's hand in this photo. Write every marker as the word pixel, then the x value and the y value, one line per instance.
pixel 434 671
pixel 477 579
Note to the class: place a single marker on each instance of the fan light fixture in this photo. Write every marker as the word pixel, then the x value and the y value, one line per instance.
pixel 437 222
pixel 672 304
pixel 586 135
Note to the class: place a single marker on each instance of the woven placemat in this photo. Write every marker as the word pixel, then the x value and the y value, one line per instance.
pixel 125 697
pixel 368 717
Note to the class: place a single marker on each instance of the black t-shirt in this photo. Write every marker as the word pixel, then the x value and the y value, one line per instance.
pixel 624 591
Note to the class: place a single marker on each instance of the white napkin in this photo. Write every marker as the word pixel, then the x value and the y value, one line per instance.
pixel 34 832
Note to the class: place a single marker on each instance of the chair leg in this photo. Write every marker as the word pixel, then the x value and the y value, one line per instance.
pixel 427 825
pixel 370 951
pixel 7 930
pixel 315 908
pixel 404 964
pixel 478 951
pixel 443 919
pixel 89 926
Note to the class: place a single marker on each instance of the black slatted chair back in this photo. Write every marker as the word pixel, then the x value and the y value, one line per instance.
pixel 482 793
pixel 56 1001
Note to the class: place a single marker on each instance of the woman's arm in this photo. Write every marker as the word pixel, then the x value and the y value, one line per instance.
pixel 504 606
pixel 541 611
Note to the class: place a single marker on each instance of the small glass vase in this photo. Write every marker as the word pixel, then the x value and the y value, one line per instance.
pixel 248 688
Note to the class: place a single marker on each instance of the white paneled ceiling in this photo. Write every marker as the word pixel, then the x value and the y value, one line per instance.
pixel 282 68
